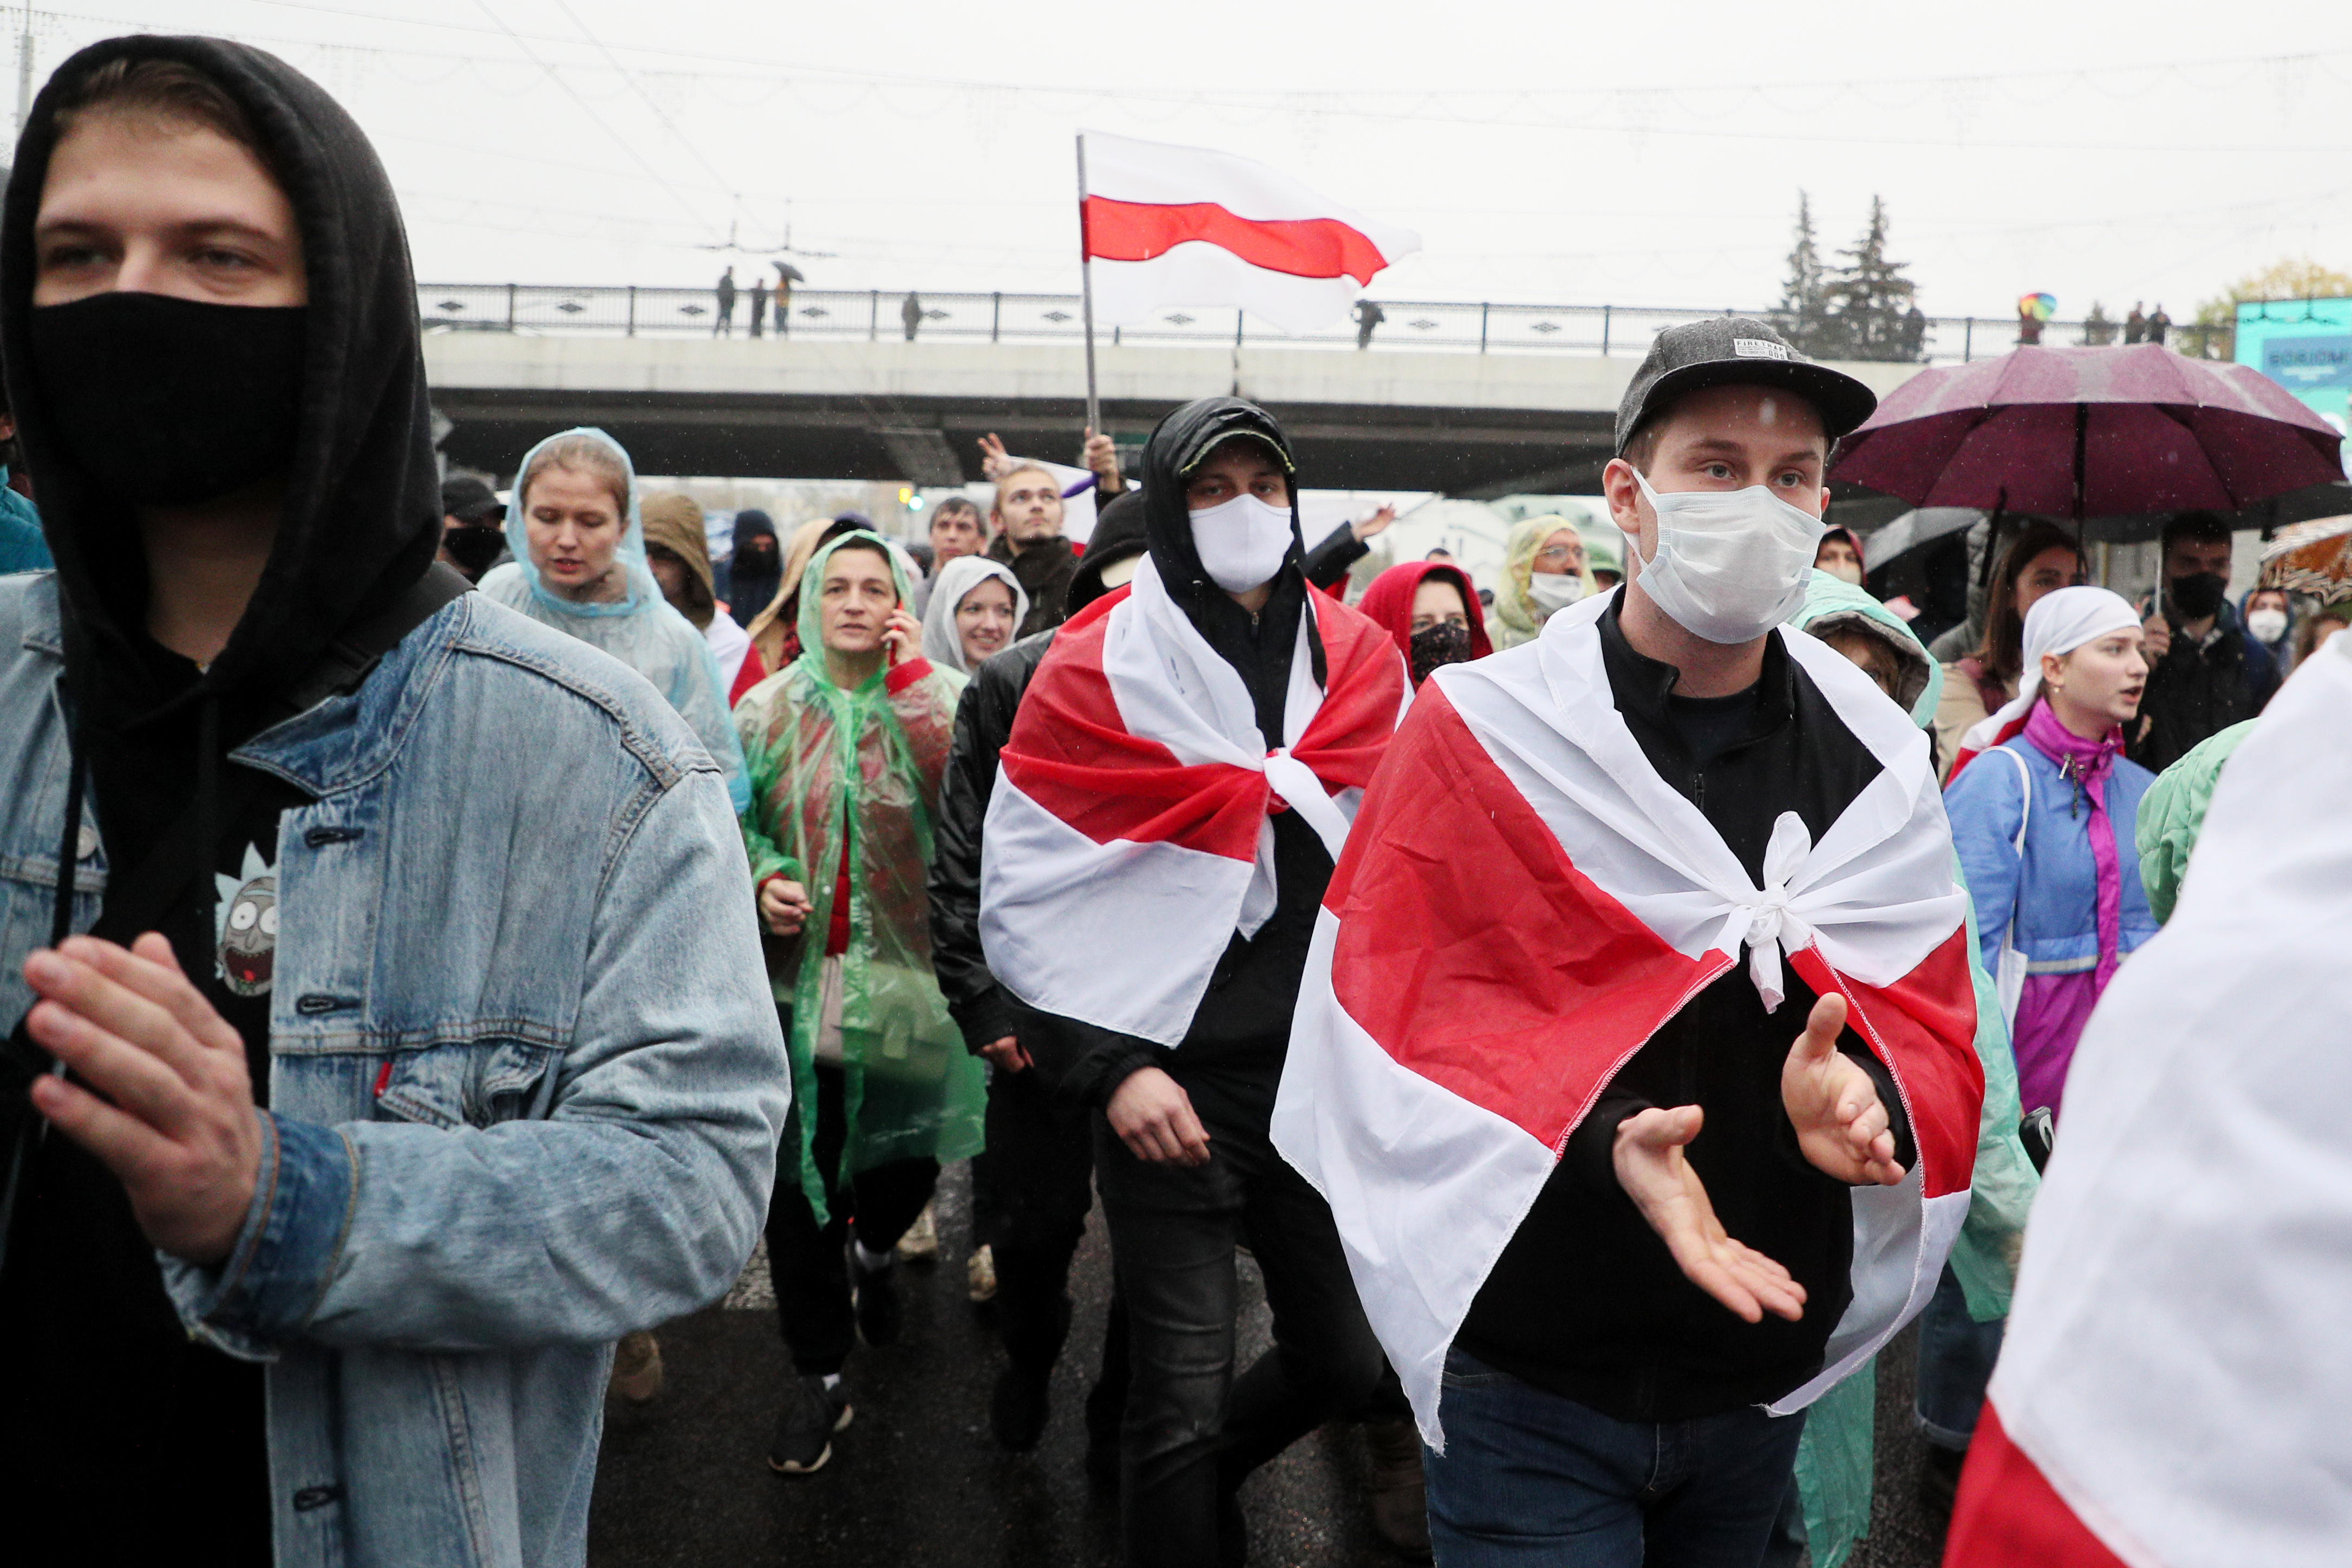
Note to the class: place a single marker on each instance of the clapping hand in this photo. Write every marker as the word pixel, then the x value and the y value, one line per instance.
pixel 1651 1168
pixel 1842 1125
pixel 168 1107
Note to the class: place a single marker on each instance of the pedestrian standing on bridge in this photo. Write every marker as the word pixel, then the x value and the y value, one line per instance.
pixel 911 314
pixel 1177 785
pixel 325 1271
pixel 1369 316
pixel 725 325
pixel 846 746
pixel 759 293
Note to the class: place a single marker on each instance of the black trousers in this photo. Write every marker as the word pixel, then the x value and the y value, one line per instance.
pixel 807 1260
pixel 1034 1189
pixel 1193 1431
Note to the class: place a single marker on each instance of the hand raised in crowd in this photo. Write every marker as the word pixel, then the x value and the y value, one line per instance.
pixel 172 1114
pixel 1154 1118
pixel 1842 1125
pixel 783 906
pixel 1365 528
pixel 1651 1167
pixel 994 464
pixel 902 635
pixel 1005 1055
pixel 1100 453
pixel 2156 637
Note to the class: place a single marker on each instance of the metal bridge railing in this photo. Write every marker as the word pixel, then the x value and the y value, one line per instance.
pixel 876 315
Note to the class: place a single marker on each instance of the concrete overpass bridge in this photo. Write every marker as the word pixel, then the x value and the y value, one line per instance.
pixel 1470 398
pixel 1467 423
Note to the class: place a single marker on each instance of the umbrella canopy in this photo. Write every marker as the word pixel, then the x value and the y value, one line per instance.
pixel 2081 433
pixel 2310 558
pixel 791 273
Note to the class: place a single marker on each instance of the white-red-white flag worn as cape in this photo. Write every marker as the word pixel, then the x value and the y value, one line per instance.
pixel 2175 1379
pixel 1163 225
pixel 1522 904
pixel 1128 838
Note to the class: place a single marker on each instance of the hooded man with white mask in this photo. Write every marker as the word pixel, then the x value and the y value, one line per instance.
pixel 1165 818
pixel 1713 891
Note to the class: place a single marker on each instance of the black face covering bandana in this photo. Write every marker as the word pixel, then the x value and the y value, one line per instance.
pixel 757 560
pixel 167 402
pixel 1444 643
pixel 473 548
pixel 2199 594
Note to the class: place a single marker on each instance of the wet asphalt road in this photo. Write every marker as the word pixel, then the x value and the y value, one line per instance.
pixel 916 1481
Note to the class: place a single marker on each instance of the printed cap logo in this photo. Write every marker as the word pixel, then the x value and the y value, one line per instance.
pixel 1760 348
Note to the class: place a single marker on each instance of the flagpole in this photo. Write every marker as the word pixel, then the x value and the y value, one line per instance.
pixel 1087 292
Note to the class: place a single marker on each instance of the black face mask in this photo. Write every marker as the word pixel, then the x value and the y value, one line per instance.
pixel 166 401
pixel 1444 643
pixel 474 547
pixel 2199 594
pixel 757 560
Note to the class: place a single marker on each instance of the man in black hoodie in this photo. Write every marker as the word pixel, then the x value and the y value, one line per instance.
pixel 351 1091
pixel 1181 1153
pixel 1035 1183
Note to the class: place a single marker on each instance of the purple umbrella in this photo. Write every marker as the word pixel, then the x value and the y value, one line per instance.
pixel 2081 433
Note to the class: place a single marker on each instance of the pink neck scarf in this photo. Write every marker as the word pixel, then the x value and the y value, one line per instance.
pixel 2086 764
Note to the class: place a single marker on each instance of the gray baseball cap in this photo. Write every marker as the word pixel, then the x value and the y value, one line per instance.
pixel 1738 350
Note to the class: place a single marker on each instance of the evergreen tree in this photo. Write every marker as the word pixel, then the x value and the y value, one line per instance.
pixel 1798 317
pixel 1868 301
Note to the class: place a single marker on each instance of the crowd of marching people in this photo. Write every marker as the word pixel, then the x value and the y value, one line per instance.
pixel 444 932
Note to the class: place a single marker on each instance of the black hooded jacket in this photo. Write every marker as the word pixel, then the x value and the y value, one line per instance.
pixel 984 722
pixel 751 586
pixel 103 1366
pixel 1231 1059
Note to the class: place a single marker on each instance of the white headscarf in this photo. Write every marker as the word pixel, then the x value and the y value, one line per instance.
pixel 2059 622
pixel 941 644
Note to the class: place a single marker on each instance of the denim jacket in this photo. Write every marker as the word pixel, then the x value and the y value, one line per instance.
pixel 526 1080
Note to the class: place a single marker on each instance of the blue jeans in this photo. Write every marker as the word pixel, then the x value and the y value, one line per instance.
pixel 1528 1477
pixel 1956 1357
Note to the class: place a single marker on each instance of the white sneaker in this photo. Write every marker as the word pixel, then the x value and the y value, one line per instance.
pixel 921 1242
pixel 979 1276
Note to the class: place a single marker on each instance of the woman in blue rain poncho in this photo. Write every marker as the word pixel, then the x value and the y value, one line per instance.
pixel 580 567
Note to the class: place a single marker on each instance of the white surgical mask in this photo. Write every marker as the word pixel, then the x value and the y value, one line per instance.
pixel 1242 541
pixel 1731 565
pixel 2268 625
pixel 1554 590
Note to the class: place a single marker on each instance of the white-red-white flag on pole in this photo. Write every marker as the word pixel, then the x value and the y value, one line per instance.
pixel 1163 225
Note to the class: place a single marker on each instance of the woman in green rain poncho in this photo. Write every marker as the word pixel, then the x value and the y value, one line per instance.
pixel 844 750
pixel 1960 1330
pixel 1543 571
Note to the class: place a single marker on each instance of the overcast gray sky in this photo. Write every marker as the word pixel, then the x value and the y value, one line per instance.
pixel 1646 154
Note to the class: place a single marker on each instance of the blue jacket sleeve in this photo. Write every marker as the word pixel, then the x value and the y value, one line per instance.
pixel 1986 806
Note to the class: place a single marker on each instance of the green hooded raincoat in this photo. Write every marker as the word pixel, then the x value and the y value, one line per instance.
pixel 850 778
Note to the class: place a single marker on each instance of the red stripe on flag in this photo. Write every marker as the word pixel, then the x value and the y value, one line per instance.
pixel 1071 753
pixel 2008 1513
pixel 1304 247
pixel 1474 954
pixel 1924 1028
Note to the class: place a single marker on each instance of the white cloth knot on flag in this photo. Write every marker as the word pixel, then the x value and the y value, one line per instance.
pixel 1762 918
pixel 1301 790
